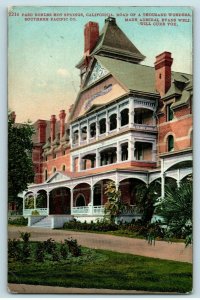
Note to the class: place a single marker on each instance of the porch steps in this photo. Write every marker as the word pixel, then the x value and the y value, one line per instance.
pixel 43 223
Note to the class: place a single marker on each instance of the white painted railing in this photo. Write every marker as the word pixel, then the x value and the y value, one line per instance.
pixel 88 210
pixel 41 211
pixel 98 210
pixel 80 210
pixel 145 127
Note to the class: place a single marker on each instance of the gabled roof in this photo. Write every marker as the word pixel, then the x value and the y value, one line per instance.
pixel 58 176
pixel 113 42
pixel 134 77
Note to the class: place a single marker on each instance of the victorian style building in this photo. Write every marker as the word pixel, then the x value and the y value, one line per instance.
pixel 130 123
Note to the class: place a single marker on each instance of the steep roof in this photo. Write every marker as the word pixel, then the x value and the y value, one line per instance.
pixel 134 77
pixel 113 42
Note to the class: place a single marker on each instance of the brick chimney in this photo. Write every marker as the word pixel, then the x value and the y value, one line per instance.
pixel 42 124
pixel 91 35
pixel 62 116
pixel 53 127
pixel 163 72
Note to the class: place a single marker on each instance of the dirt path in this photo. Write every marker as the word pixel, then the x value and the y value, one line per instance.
pixel 162 250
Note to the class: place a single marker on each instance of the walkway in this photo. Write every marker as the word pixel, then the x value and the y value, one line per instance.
pixel 162 250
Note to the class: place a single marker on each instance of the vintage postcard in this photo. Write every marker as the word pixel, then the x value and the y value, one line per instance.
pixel 100 150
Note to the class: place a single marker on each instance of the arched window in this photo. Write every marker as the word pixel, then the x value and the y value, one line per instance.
pixel 93 130
pixel 170 143
pixel 80 200
pixel 124 117
pixel 54 169
pixel 113 121
pixel 63 168
pixel 102 126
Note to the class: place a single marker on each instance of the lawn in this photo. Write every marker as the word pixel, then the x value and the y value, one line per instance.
pixel 105 269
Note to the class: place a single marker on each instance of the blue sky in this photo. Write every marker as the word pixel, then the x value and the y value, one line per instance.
pixel 42 56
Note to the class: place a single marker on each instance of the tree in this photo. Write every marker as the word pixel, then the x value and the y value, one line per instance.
pixel 145 199
pixel 176 210
pixel 114 205
pixel 20 165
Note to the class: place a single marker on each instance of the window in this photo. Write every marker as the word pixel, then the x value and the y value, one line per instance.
pixel 63 167
pixel 113 122
pixel 54 169
pixel 124 117
pixel 102 126
pixel 54 155
pixel 80 201
pixel 93 130
pixel 170 144
pixel 124 152
pixel 170 113
pixel 139 152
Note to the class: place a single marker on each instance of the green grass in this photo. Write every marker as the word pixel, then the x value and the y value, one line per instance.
pixel 106 269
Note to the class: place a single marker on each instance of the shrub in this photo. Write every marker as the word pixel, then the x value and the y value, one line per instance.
pixel 49 246
pixel 73 247
pixel 40 252
pixel 35 213
pixel 21 221
pixel 64 250
pixel 14 250
pixel 25 236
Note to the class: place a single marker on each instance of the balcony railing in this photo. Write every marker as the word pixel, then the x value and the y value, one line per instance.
pixel 145 127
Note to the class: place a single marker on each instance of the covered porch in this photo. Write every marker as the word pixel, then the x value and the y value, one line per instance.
pixel 61 195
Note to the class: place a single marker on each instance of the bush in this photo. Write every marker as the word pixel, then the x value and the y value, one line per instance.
pixel 49 246
pixel 25 236
pixel 73 247
pixel 14 250
pixel 98 226
pixel 64 250
pixel 40 252
pixel 21 221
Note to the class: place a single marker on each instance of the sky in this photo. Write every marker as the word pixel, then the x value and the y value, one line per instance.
pixel 42 78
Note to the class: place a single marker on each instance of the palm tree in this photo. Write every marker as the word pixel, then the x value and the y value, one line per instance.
pixel 176 210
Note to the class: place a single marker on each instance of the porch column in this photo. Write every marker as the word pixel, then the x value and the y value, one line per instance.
pixel 162 179
pixel 118 118
pixel 97 159
pixel 79 163
pixel 24 197
pixel 47 202
pixel 97 129
pixel 118 152
pixel 131 113
pixel 87 131
pixel 71 199
pixel 178 178
pixel 79 134
pixel 131 149
pixel 35 196
pixel 154 151
pixel 91 199
pixel 72 163
pixel 107 122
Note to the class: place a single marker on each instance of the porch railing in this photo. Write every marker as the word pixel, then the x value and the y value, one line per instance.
pixel 41 211
pixel 80 210
pixel 88 210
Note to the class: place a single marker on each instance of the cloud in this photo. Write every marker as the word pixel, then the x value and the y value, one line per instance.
pixel 63 72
